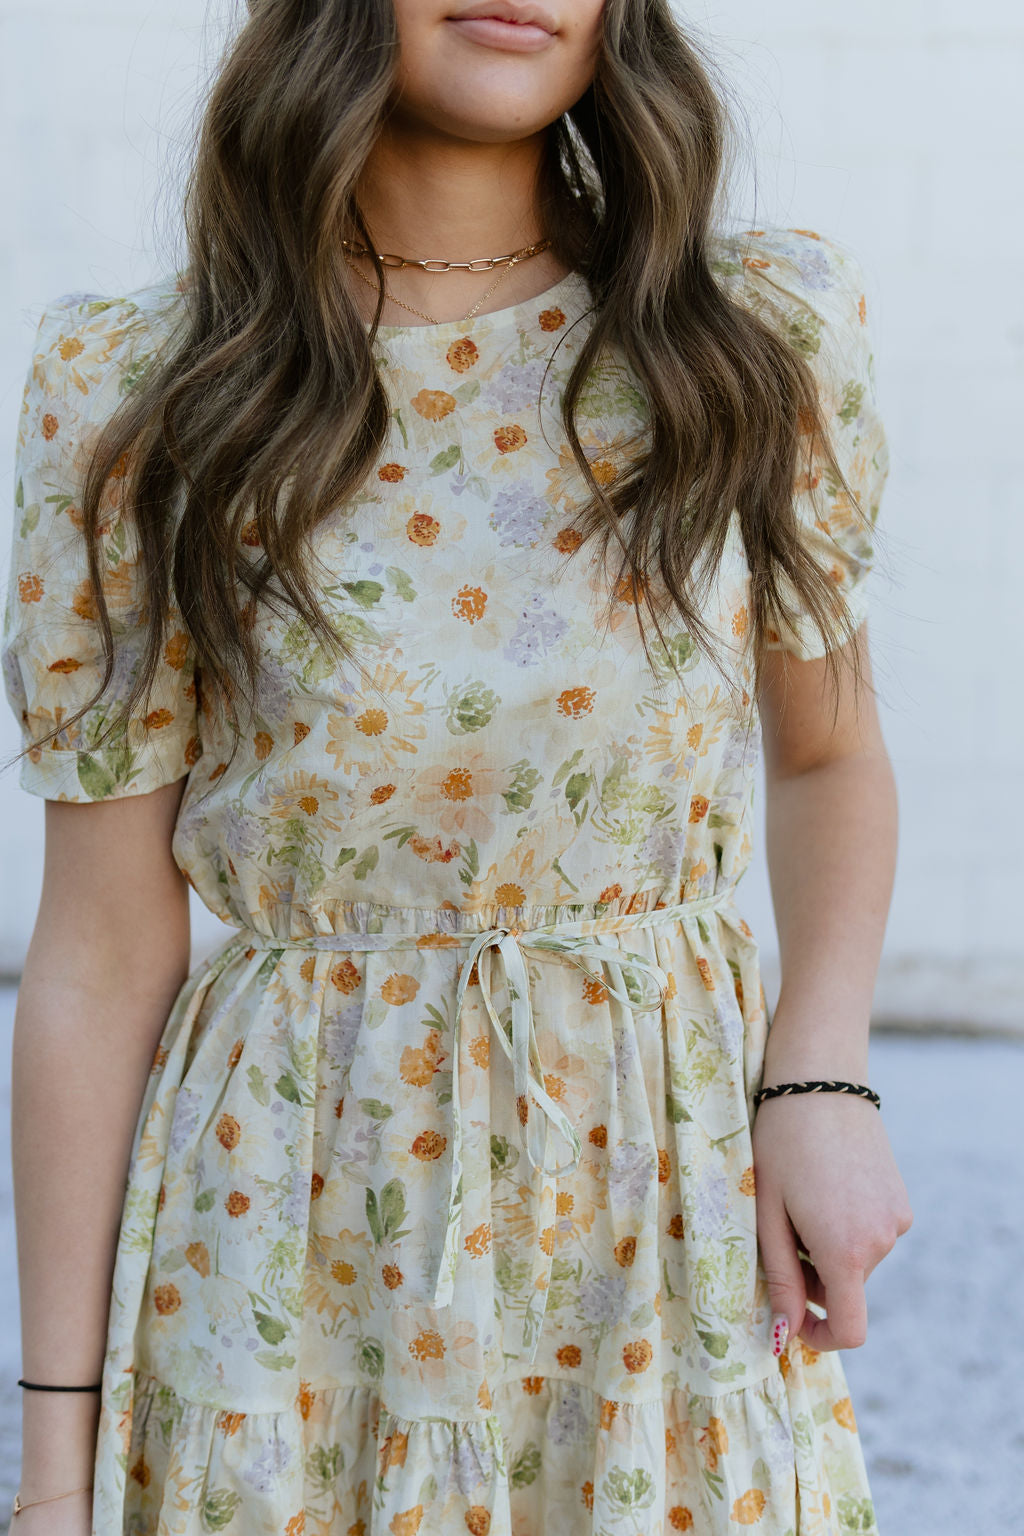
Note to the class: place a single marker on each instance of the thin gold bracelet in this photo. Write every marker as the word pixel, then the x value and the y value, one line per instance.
pixel 19 1504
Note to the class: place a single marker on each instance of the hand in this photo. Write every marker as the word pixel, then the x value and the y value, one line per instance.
pixel 827 1183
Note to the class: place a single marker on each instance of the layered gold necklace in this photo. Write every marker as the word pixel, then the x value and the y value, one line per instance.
pixel 434 264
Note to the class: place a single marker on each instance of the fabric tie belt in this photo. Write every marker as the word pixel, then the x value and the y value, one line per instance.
pixel 635 982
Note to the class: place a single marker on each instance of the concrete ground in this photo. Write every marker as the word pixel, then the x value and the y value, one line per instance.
pixel 939 1385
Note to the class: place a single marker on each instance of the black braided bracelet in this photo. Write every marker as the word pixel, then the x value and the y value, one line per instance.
pixel 37 1386
pixel 782 1090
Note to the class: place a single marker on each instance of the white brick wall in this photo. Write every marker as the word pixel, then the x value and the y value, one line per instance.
pixel 893 127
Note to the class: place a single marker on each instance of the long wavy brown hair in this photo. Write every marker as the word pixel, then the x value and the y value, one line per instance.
pixel 265 408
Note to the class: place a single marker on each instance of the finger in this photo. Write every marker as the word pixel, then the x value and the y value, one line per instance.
pixel 781 1262
pixel 845 1325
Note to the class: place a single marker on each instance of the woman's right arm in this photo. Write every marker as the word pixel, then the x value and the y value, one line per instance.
pixel 108 955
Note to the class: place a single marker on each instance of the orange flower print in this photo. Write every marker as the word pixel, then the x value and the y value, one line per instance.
pixel 509 439
pixel 609 1408
pixel 166 1299
pixel 422 529
pixel 862 310
pixel 587 1495
pixel 176 650
pixel 394 1450
pixel 304 1399
pixel 236 1203
pixel 680 1518
pixel 399 989
pixel 372 722
pixel 263 744
pixel 714 1442
pixel 705 973
pixel 598 1136
pixel 748 1509
pixel 432 850
pixel 574 702
pixel 345 976
pixel 234 1055
pixel 158 718
pixel 625 1251
pixel 594 991
pixel 664 1167
pixel 532 1385
pixel 457 785
pixel 433 404
pixel 250 535
pixel 140 1473
pixel 228 1132
pixel 391 473
pixel 50 426
pixel 198 1256
pixel 469 604
pixel 698 808
pixel 343 1272
pixel 739 621
pixel 428 1146
pixel 308 968
pixel 296 1525
pixel 843 1414
pixel 610 893
pixel 316 1186
pixel 427 1345
pixel 637 1357
pixel 569 1356
pixel 478 1520
pixel 418 1065
pixel 747 1182
pixel 65 665
pixel 510 895
pixel 381 794
pixel 604 471
pixel 462 354
pixel 567 541
pixel 756 263
pixel 478 1242
pixel 551 319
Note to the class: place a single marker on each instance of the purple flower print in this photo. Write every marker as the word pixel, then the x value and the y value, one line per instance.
pixel 518 516
pixel 539 628
pixel 514 387
pixel 339 1033
pixel 571 1422
pixel 186 1118
pixel 274 1458
pixel 711 1203
pixel 603 1298
pixel 630 1171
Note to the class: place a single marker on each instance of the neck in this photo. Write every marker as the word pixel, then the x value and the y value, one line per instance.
pixel 425 195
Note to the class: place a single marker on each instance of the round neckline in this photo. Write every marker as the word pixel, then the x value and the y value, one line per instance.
pixel 515 316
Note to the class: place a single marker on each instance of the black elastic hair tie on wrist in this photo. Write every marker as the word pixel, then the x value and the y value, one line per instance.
pixel 833 1085
pixel 37 1386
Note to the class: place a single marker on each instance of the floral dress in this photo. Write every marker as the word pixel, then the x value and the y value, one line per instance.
pixel 440 1215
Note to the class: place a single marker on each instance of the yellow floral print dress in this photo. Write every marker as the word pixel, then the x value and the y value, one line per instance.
pixel 440 1212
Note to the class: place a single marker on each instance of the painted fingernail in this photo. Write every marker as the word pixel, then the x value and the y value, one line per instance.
pixel 780 1333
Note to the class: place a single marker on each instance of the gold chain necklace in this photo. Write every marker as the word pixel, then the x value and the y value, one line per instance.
pixel 433 264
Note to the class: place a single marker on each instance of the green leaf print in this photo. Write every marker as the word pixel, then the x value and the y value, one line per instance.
pixel 642 1316
pixel 470 708
pixel 853 399
pixel 345 856
pixel 375 1109
pixel 525 1467
pixel 367 863
pixel 504 1155
pixel 856 1514
pixel 272 1362
pixel 630 1490
pixel 324 1463
pixel 97 781
pixel 805 333
pixel 31 519
pixel 258 1085
pixel 19 494
pixel 402 583
pixel 272 1329
pixel 205 1200
pixel 371 1358
pixel 373 1217
pixel 467 393
pixel 288 1088
pixel 576 787
pixel 674 654
pixel 716 1344
pixel 566 768
pixel 675 1111
pixel 218 1509
pixel 365 593
pixel 392 1207
pixel 446 459
pixel 519 795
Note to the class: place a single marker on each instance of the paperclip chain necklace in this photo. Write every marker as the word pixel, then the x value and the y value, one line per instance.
pixel 434 264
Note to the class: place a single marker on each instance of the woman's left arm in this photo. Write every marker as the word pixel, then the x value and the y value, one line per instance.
pixel 826 1178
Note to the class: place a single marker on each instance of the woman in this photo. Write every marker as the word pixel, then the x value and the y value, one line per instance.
pixel 426 622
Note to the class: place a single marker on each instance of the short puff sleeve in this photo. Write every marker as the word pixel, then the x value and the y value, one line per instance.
pixel 813 292
pixel 88 352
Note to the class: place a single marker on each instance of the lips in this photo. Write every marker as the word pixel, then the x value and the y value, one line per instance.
pixel 517 13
